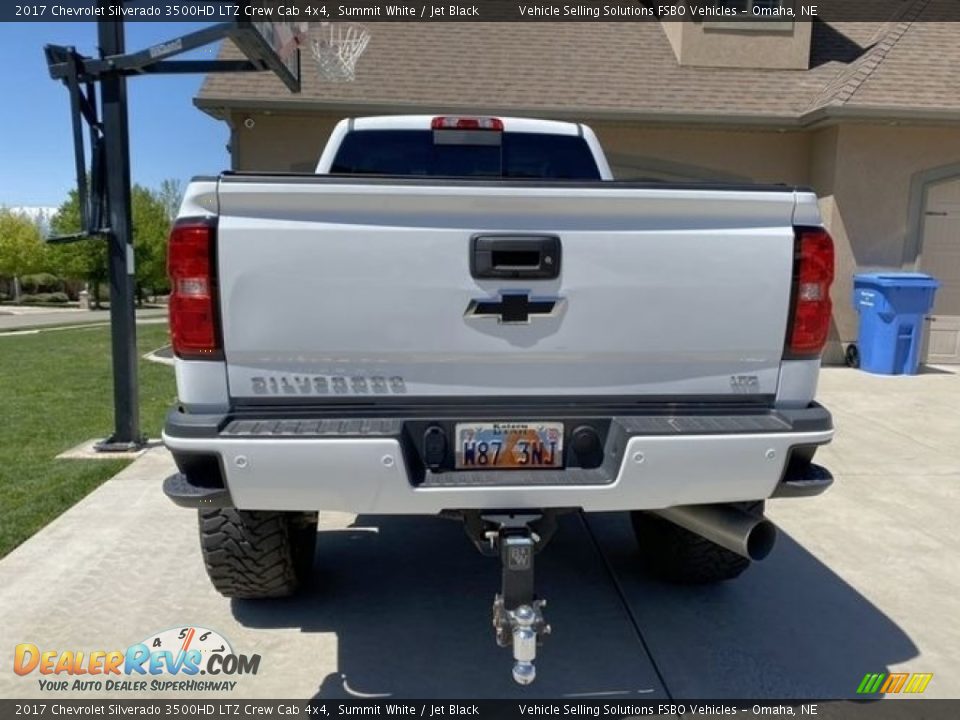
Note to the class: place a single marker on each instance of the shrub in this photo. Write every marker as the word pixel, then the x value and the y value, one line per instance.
pixel 41 283
pixel 54 298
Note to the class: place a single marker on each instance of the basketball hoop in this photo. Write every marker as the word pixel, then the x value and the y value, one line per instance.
pixel 338 48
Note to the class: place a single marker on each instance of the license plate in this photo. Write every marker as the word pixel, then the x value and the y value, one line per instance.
pixel 509 445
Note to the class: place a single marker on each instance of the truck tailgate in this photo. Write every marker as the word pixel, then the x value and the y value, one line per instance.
pixel 362 289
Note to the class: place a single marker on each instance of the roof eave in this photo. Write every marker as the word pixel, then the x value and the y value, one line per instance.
pixel 216 106
pixel 219 107
pixel 831 114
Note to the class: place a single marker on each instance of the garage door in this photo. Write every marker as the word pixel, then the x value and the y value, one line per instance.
pixel 940 257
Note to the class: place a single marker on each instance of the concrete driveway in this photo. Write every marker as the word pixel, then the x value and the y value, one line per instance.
pixel 863 579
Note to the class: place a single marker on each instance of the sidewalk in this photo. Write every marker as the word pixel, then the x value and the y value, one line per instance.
pixel 28 318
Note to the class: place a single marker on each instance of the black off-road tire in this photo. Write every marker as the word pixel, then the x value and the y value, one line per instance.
pixel 674 554
pixel 257 554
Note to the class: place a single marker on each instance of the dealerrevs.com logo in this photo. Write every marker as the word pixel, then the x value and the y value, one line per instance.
pixel 170 661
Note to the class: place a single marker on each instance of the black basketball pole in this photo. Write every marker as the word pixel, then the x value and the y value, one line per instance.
pixel 123 327
pixel 110 192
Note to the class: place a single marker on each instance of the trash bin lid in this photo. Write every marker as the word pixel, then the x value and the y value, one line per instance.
pixel 896 279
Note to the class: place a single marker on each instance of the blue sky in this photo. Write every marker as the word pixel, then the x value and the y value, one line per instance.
pixel 169 137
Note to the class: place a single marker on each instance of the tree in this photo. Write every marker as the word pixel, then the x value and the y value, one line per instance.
pixel 82 260
pixel 88 259
pixel 171 195
pixel 151 226
pixel 22 250
pixel 42 220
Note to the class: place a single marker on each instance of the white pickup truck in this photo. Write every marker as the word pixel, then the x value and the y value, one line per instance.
pixel 468 316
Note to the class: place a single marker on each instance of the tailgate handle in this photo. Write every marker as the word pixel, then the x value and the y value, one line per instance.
pixel 515 256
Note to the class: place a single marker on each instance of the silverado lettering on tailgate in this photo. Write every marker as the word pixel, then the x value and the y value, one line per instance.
pixel 328 385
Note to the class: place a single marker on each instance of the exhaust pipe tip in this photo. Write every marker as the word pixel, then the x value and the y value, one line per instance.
pixel 747 535
pixel 760 541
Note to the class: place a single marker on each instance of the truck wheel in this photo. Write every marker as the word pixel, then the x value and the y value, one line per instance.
pixel 677 555
pixel 257 554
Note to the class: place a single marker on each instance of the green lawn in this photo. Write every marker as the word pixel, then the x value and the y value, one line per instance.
pixel 56 392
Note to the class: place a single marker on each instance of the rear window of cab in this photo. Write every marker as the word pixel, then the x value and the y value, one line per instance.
pixel 465 153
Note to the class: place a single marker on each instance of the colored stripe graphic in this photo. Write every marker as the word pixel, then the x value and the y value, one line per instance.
pixel 870 683
pixel 918 682
pixel 894 682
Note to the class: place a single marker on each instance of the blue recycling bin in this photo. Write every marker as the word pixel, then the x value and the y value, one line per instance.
pixel 892 307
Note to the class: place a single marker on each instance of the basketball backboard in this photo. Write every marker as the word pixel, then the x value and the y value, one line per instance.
pixel 274 46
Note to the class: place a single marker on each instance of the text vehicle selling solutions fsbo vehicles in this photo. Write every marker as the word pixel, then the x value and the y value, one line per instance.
pixel 468 317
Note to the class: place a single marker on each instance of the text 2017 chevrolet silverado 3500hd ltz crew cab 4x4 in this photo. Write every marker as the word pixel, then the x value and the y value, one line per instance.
pixel 467 316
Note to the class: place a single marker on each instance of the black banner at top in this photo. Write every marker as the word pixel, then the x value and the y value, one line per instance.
pixel 559 709
pixel 371 11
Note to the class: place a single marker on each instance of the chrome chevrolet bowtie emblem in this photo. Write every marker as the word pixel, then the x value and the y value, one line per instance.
pixel 513 308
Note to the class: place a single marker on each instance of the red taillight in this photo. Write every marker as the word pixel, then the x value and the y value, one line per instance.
pixel 813 273
pixel 193 290
pixel 458 122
